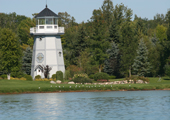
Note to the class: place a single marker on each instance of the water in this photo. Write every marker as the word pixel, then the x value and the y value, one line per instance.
pixel 121 105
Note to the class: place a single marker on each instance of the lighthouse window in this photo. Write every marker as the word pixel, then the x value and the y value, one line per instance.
pixel 55 21
pixel 49 27
pixel 49 21
pixel 41 21
pixel 41 27
pixel 59 54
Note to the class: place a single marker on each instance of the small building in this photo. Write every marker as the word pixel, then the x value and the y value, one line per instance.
pixel 47 49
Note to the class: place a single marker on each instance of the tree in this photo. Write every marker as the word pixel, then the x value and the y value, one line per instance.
pixel 26 61
pixel 99 44
pixel 168 30
pixel 10 51
pixel 114 32
pixel 161 33
pixel 141 66
pixel 107 9
pixel 24 30
pixel 127 47
pixel 81 43
pixel 112 64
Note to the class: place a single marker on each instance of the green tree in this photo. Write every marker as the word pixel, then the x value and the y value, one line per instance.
pixel 26 61
pixel 161 33
pixel 80 44
pixel 127 47
pixel 141 66
pixel 99 44
pixel 107 9
pixel 24 30
pixel 112 64
pixel 10 51
pixel 114 32
pixel 168 30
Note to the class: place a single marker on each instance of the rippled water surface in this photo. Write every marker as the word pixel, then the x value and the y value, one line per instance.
pixel 129 105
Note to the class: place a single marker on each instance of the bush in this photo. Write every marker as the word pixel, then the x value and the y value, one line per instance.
pixel 133 77
pixel 80 75
pixel 28 77
pixel 67 75
pixel 82 80
pixel 53 76
pixel 100 76
pixel 38 77
pixel 112 77
pixel 91 76
pixel 59 75
pixel 4 76
pixel 74 70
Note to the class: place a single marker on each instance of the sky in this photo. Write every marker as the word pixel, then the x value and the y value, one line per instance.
pixel 82 10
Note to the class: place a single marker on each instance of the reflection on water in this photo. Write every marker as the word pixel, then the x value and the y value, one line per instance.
pixel 129 105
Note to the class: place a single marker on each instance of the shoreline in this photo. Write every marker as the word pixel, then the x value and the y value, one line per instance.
pixel 81 91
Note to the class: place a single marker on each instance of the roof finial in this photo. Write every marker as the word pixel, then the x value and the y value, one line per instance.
pixel 46 3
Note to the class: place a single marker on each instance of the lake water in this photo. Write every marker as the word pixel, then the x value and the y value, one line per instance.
pixel 117 105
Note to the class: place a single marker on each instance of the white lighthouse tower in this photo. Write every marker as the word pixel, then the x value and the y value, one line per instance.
pixel 47 49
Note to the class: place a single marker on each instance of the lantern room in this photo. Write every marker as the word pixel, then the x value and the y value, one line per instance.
pixel 47 22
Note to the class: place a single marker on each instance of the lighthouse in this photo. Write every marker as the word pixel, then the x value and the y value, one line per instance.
pixel 47 49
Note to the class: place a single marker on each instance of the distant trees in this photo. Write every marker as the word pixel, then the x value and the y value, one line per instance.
pixel 107 42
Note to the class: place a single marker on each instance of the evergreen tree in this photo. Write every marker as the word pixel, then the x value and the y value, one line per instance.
pixel 107 9
pixel 114 32
pixel 112 64
pixel 99 44
pixel 168 30
pixel 26 61
pixel 81 44
pixel 141 65
pixel 10 52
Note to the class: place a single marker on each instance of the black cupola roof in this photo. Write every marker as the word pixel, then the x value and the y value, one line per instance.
pixel 46 12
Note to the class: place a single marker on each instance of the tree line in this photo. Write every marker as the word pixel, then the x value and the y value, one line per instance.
pixel 109 42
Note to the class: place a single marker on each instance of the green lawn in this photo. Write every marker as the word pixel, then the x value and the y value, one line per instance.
pixel 18 86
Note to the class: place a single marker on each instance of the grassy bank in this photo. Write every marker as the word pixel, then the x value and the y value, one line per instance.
pixel 18 86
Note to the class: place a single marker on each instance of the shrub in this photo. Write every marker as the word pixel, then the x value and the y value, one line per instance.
pixel 74 70
pixel 80 75
pixel 4 76
pixel 133 77
pixel 112 77
pixel 100 76
pixel 67 75
pixel 38 77
pixel 28 77
pixel 82 80
pixel 91 76
pixel 53 76
pixel 59 75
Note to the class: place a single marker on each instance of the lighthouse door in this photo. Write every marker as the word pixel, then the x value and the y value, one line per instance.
pixel 38 72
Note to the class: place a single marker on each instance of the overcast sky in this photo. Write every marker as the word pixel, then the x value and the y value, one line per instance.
pixel 82 10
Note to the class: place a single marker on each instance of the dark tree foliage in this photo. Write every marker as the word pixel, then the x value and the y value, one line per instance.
pixel 107 9
pixel 112 64
pixel 114 32
pixel 26 61
pixel 141 66
pixel 128 46
pixel 81 43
